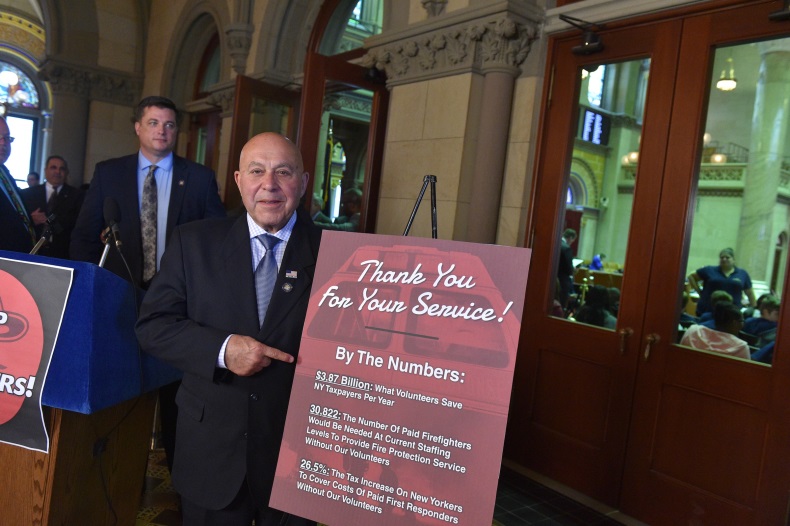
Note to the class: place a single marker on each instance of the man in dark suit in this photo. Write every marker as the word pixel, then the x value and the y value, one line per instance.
pixel 186 191
pixel 58 198
pixel 17 228
pixel 203 315
pixel 183 191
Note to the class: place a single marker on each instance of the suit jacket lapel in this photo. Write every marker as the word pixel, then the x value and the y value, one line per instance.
pixel 299 258
pixel 178 188
pixel 130 205
pixel 238 277
pixel 40 197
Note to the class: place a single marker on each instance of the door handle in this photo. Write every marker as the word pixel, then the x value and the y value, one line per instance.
pixel 624 334
pixel 651 339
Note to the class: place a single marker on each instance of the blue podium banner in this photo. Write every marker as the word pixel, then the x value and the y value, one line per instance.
pixel 96 361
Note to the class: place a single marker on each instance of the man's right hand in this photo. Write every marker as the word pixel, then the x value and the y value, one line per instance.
pixel 38 217
pixel 246 356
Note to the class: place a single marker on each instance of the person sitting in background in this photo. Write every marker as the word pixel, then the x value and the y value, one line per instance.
pixel 717 297
pixel 350 207
pixel 754 312
pixel 686 319
pixel 766 320
pixel 595 310
pixel 316 210
pixel 724 339
pixel 763 327
pixel 597 262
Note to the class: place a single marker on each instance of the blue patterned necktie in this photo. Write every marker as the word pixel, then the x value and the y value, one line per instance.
pixel 265 275
pixel 148 224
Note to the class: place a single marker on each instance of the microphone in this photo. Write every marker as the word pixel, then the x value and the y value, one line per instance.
pixel 112 218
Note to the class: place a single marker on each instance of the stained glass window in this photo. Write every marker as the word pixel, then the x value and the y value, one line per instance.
pixel 16 87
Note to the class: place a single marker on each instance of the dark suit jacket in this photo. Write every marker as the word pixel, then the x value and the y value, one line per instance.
pixel 14 236
pixel 66 209
pixel 229 427
pixel 194 195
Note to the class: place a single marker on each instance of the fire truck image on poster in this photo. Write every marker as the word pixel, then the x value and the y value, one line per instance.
pixel 399 404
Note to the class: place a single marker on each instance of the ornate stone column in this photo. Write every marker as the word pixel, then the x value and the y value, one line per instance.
pixel 491 41
pixel 503 49
pixel 770 121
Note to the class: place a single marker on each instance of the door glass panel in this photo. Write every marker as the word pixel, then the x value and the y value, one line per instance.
pixel 599 195
pixel 352 22
pixel 341 162
pixel 267 115
pixel 738 246
pixel 258 107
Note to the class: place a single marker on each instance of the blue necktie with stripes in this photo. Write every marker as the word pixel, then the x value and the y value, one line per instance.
pixel 265 275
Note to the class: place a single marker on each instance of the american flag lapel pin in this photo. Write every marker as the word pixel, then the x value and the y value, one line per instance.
pixel 290 274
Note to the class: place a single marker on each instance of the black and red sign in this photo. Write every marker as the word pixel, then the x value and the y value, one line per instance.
pixel 32 302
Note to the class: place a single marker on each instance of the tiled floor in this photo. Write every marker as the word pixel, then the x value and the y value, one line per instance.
pixel 159 506
pixel 519 502
pixel 530 503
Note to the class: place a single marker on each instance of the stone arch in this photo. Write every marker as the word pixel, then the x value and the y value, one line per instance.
pixel 283 38
pixel 585 175
pixel 201 20
pixel 72 30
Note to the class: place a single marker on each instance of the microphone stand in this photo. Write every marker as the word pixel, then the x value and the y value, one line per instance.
pixel 427 179
pixel 105 252
pixel 43 240
pixel 46 234
pixel 108 235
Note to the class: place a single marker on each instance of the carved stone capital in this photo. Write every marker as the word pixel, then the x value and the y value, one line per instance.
pixel 239 40
pixel 434 7
pixel 223 98
pixel 91 83
pixel 499 41
pixel 64 78
pixel 348 103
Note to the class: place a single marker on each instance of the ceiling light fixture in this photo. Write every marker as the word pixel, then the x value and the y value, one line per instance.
pixel 727 82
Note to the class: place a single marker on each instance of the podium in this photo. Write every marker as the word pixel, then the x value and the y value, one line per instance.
pixel 99 399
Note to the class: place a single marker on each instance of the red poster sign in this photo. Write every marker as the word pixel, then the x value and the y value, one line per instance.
pixel 400 399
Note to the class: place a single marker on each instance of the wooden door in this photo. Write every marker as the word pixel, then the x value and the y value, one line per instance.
pixel 345 107
pixel 666 432
pixel 204 133
pixel 258 107
pixel 571 401
pixel 710 434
